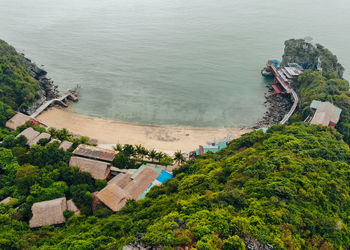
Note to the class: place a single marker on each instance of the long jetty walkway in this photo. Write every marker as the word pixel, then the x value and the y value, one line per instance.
pixel 288 89
pixel 69 95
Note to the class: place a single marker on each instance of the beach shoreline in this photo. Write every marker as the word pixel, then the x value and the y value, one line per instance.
pixel 163 138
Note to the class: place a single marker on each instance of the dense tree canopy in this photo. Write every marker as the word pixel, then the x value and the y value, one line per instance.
pixel 287 188
pixel 17 88
pixel 312 85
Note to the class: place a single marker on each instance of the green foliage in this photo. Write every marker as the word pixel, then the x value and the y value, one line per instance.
pixel 179 157
pixel 121 160
pixel 67 214
pixel 233 243
pixel 17 89
pixel 166 161
pixel 313 86
pixel 288 187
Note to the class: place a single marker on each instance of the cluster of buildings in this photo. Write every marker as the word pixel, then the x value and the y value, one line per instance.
pixel 127 184
pixel 33 137
pixel 123 185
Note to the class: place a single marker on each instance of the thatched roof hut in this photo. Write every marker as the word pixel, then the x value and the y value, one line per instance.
pixel 65 145
pixel 6 200
pixel 41 136
pixel 97 169
pixel 121 180
pixel 142 181
pixel 30 134
pixel 48 213
pixel 72 207
pixel 95 153
pixel 113 197
pixel 17 120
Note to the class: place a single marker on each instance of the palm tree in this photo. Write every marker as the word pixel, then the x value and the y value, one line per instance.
pixel 63 134
pixel 141 151
pixel 159 155
pixel 179 157
pixel 128 149
pixel 118 147
pixel 152 154
pixel 138 149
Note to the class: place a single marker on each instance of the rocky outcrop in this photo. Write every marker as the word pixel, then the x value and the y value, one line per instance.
pixel 254 244
pixel 277 106
pixel 47 89
pixel 311 56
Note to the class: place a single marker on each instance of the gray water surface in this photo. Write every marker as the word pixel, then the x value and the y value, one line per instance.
pixel 169 62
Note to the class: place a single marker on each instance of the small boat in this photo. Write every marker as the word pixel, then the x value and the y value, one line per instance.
pixel 266 72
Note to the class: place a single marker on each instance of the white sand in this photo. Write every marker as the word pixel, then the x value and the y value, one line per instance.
pixel 164 138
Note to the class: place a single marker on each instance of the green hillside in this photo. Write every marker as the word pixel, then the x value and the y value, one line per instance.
pixel 17 88
pixel 288 188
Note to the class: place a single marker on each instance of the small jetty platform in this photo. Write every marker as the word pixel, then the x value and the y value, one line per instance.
pixel 71 95
pixel 283 77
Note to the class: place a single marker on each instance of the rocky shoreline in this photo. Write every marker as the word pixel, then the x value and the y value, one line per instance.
pixel 277 105
pixel 47 89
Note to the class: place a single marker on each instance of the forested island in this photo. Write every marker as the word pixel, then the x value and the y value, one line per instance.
pixel 285 188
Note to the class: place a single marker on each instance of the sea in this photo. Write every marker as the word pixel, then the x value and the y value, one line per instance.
pixel 192 63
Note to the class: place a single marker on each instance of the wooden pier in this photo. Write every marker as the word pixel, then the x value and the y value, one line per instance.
pixel 71 94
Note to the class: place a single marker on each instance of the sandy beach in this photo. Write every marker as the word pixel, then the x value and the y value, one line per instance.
pixel 164 138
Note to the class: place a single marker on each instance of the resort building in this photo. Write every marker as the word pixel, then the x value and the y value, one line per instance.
pixel 72 207
pixel 121 180
pixel 113 196
pixel 95 153
pixel 126 186
pixel 98 169
pixel 65 145
pixel 30 134
pixel 6 200
pixel 141 182
pixel 51 212
pixel 213 147
pixel 17 120
pixel 324 113
pixel 39 137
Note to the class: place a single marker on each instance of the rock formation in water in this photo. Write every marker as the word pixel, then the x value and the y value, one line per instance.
pixel 311 56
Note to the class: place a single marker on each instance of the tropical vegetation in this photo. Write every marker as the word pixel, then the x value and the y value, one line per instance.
pixel 287 188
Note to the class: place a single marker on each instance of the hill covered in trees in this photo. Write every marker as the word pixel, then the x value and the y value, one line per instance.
pixel 284 189
pixel 23 86
pixel 326 85
pixel 311 56
pixel 287 188
pixel 17 88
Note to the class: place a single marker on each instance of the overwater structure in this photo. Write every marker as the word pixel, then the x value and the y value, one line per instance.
pixel 283 76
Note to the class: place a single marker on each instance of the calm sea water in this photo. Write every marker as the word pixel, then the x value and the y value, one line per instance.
pixel 175 62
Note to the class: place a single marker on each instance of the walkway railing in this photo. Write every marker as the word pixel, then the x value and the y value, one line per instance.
pixel 46 104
